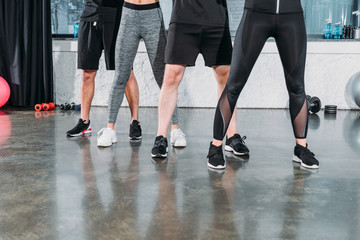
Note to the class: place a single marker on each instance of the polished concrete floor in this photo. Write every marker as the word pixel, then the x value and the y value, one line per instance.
pixel 53 187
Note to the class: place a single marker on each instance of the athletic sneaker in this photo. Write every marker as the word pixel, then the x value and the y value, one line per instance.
pixel 305 157
pixel 177 138
pixel 236 144
pixel 81 129
pixel 135 130
pixel 160 148
pixel 216 159
pixel 106 137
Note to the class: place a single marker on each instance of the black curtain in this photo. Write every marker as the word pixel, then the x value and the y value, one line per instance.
pixel 26 50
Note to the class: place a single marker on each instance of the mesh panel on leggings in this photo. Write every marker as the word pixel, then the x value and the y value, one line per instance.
pixel 301 121
pixel 225 112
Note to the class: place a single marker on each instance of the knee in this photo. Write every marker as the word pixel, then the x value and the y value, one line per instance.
pixel 132 79
pixel 88 76
pixel 172 77
pixel 222 74
pixel 296 88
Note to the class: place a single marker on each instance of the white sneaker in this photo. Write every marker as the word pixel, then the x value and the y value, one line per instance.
pixel 106 137
pixel 177 138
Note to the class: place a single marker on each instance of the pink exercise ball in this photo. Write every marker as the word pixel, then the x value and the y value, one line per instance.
pixel 4 92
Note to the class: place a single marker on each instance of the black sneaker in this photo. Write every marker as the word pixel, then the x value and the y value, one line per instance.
pixel 160 148
pixel 81 129
pixel 236 144
pixel 305 157
pixel 135 130
pixel 215 157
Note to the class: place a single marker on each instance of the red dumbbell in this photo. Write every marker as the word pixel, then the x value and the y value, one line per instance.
pixel 51 105
pixel 45 106
pixel 38 107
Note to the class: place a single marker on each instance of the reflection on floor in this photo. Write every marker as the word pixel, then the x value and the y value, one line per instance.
pixel 53 187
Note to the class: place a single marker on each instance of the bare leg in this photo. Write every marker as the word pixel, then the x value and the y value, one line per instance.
pixel 132 96
pixel 222 75
pixel 301 142
pixel 87 92
pixel 168 96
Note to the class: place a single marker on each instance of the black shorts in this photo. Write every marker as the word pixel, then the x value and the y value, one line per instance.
pixel 94 37
pixel 186 41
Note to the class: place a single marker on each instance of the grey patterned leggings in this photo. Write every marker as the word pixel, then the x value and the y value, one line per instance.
pixel 137 22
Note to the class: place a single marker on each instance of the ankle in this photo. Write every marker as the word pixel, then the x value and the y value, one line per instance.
pixel 301 142
pixel 111 125
pixel 216 143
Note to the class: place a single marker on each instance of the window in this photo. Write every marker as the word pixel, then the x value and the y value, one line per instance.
pixel 316 12
pixel 64 13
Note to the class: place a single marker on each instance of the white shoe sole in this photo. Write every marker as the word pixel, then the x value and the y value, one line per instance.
pixel 83 133
pixel 107 145
pixel 160 156
pixel 216 168
pixel 135 138
pixel 230 149
pixel 298 160
pixel 178 144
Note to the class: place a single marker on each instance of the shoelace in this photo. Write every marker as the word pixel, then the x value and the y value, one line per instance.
pixel 159 143
pixel 240 140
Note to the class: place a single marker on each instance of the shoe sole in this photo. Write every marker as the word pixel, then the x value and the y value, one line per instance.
pixel 83 133
pixel 230 149
pixel 135 138
pixel 298 160
pixel 177 144
pixel 104 146
pixel 160 155
pixel 216 168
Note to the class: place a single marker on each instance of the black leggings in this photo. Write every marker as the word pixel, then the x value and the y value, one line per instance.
pixel 290 36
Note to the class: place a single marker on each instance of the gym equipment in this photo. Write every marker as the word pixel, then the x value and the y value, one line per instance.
pixel 65 106
pixel 69 106
pixel 78 107
pixel 44 106
pixel 314 104
pixel 355 90
pixel 4 92
pixel 330 109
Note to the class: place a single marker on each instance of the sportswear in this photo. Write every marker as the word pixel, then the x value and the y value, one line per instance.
pixel 137 22
pixel 236 144
pixel 177 138
pixel 274 6
pixel 160 147
pixel 106 137
pixel 135 130
pixel 305 157
pixel 101 10
pixel 185 42
pixel 255 28
pixel 81 129
pixel 93 39
pixel 215 157
pixel 200 12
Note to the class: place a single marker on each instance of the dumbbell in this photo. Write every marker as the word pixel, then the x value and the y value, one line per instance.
pixel 77 107
pixel 314 104
pixel 65 106
pixel 44 106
